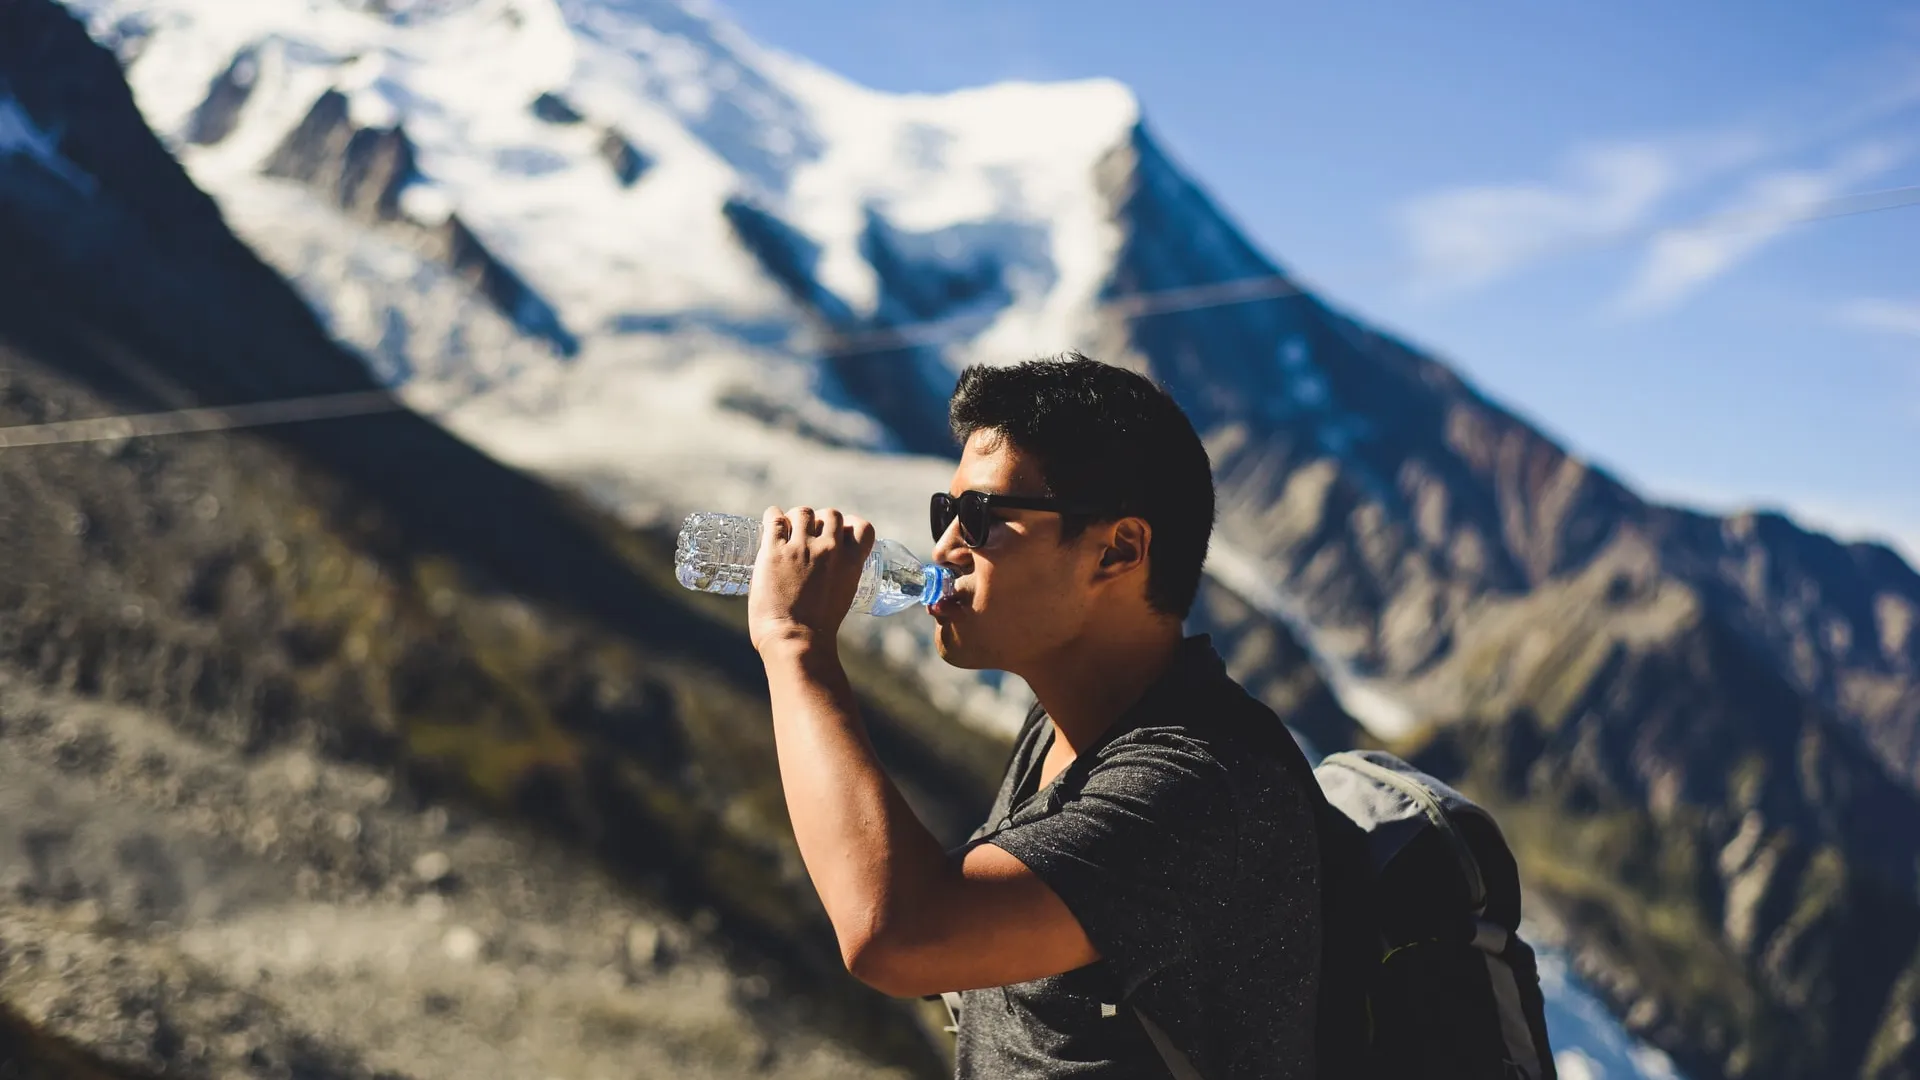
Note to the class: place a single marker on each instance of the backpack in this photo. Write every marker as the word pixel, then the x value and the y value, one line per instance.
pixel 1453 992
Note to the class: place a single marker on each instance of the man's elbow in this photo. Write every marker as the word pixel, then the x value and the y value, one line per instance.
pixel 882 964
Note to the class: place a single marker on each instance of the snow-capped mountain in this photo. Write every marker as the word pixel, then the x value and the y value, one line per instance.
pixel 609 240
pixel 617 242
pixel 645 170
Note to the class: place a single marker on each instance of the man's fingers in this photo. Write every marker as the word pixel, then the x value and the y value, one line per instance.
pixel 804 523
pixel 860 531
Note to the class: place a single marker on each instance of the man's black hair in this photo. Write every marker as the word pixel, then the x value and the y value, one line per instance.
pixel 1104 436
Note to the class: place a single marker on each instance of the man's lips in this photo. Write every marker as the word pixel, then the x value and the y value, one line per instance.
pixel 945 607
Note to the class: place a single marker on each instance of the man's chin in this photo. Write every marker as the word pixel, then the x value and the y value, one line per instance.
pixel 953 652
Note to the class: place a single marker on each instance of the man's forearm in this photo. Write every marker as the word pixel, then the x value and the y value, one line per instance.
pixel 870 858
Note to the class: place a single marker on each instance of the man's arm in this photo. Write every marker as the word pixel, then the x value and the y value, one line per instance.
pixel 911 920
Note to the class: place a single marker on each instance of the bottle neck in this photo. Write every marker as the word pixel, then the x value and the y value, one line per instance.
pixel 939 582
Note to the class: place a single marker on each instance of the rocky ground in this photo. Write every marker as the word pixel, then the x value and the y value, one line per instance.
pixel 180 910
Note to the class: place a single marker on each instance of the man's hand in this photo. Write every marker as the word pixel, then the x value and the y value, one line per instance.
pixel 805 575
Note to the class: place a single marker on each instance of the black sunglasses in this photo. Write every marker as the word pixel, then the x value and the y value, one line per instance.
pixel 971 508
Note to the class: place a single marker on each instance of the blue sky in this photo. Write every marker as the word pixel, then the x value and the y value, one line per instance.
pixel 1502 184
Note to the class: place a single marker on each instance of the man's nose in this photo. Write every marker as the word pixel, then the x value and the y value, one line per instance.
pixel 949 551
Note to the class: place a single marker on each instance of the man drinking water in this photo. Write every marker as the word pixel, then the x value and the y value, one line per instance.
pixel 1145 897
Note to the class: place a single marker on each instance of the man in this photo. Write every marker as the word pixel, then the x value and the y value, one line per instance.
pixel 1151 867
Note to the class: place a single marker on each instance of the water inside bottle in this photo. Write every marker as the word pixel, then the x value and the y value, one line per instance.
pixel 715 553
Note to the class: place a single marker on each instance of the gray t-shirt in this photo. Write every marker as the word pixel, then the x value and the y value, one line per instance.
pixel 1184 842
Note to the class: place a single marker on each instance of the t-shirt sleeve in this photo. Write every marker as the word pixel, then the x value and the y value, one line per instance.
pixel 1139 853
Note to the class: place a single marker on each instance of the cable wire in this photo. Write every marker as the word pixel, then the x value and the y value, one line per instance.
pixel 906 335
pixel 201 419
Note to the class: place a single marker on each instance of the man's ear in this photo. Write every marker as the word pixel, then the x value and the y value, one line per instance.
pixel 1126 548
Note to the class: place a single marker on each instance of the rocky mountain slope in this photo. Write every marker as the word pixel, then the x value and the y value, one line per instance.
pixel 616 242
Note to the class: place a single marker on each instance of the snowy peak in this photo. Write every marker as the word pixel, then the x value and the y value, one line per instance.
pixel 700 70
pixel 593 147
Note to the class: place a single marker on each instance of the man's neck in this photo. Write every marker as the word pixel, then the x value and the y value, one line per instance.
pixel 1090 684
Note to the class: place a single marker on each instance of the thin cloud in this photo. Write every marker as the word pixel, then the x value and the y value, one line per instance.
pixel 1471 236
pixel 1621 192
pixel 1679 262
pixel 1882 316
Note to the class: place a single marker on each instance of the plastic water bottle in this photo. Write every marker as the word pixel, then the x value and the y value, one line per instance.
pixel 716 553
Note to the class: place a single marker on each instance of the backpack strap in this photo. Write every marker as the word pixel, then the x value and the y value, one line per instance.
pixel 1177 1062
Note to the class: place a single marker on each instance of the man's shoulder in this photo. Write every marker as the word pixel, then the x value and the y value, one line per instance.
pixel 1235 737
pixel 1187 746
pixel 1220 752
